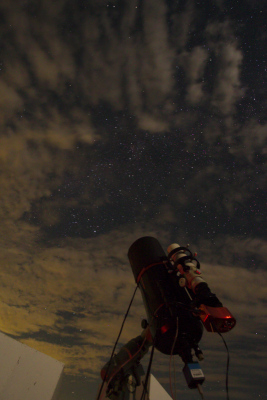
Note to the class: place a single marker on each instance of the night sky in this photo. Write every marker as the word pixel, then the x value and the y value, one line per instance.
pixel 121 119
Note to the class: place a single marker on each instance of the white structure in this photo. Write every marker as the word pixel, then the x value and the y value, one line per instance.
pixel 156 391
pixel 27 374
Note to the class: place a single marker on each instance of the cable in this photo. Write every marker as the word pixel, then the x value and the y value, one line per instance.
pixel 148 370
pixel 176 334
pixel 113 351
pixel 199 387
pixel 227 366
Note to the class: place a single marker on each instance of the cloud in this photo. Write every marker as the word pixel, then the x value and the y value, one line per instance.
pixel 194 93
pixel 10 100
pixel 37 136
pixel 250 252
pixel 136 65
pixel 152 123
pixel 227 86
pixel 28 164
pixel 157 65
pixel 134 69
pixel 182 20
pixel 249 141
pixel 194 63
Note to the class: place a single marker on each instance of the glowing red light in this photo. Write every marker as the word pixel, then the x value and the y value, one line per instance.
pixel 214 319
pixel 164 329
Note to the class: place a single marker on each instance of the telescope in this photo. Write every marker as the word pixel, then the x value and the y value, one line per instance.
pixel 178 304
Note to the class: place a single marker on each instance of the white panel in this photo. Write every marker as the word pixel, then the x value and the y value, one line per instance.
pixel 25 373
pixel 156 391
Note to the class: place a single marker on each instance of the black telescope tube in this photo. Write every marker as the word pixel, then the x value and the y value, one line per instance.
pixel 163 298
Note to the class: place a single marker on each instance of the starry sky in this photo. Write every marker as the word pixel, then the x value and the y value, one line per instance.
pixel 120 120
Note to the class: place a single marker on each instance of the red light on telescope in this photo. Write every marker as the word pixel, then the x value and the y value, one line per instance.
pixel 164 329
pixel 217 319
